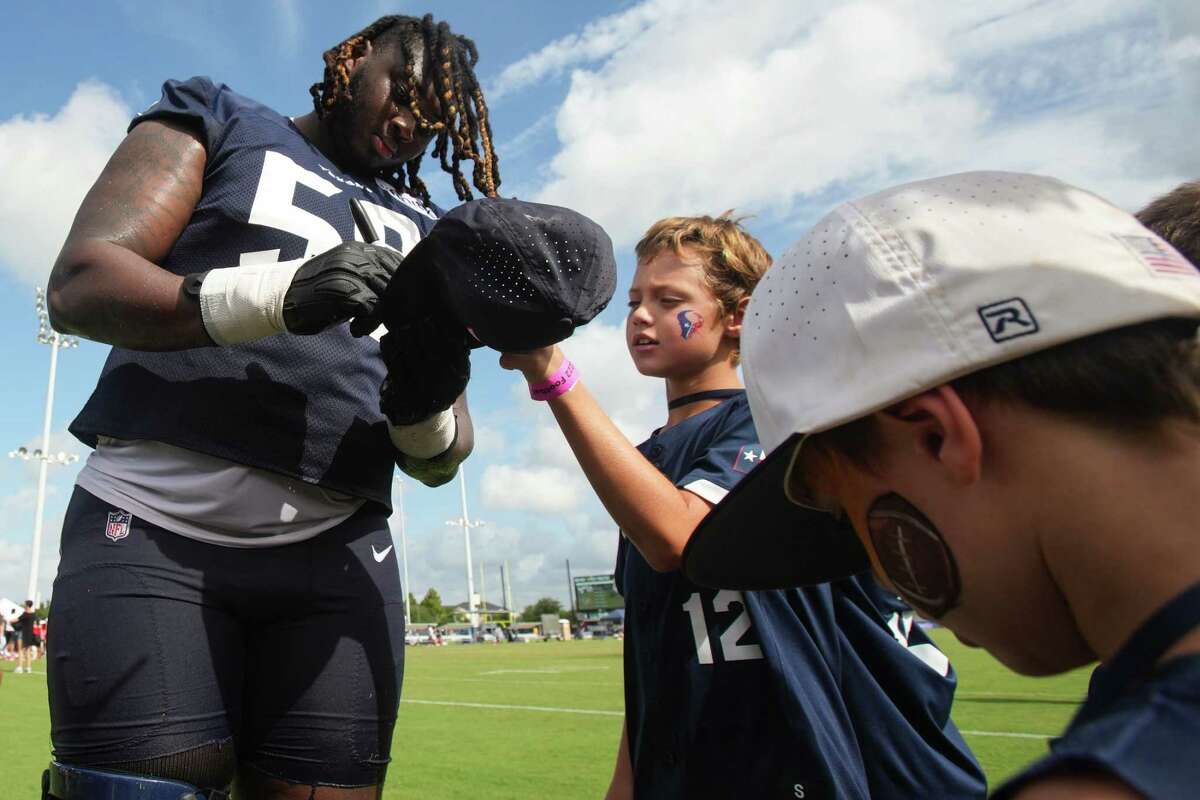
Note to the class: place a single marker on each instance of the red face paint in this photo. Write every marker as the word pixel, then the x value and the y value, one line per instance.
pixel 914 555
pixel 689 322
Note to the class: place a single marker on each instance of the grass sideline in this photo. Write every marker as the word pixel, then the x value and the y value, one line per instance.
pixel 542 720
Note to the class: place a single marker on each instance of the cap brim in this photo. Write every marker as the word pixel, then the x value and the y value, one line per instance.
pixel 756 538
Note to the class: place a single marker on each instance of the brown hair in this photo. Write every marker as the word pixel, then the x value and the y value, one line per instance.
pixel 462 131
pixel 1128 379
pixel 1176 217
pixel 731 259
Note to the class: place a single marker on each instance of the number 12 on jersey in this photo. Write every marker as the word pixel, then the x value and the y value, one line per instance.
pixel 730 649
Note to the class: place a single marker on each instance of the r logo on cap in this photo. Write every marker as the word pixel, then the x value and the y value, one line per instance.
pixel 1008 319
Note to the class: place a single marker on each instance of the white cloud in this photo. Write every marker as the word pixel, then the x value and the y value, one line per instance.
pixel 61 442
pixel 544 490
pixel 536 552
pixel 598 39
pixel 545 476
pixel 526 139
pixel 563 519
pixel 17 511
pixel 542 476
pixel 702 106
pixel 636 404
pixel 14 560
pixel 47 164
pixel 488 439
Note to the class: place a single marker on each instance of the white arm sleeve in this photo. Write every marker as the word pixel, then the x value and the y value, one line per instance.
pixel 426 439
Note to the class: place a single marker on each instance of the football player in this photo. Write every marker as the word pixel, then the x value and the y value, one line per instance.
pixel 231 522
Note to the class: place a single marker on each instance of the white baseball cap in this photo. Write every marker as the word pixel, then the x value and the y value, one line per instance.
pixel 903 291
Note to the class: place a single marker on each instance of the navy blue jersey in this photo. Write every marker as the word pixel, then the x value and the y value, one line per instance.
pixel 899 688
pixel 1141 720
pixel 304 406
pixel 766 694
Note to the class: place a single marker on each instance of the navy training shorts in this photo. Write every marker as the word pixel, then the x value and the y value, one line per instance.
pixel 163 644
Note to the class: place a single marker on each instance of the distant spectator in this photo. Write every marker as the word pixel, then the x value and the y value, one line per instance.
pixel 25 647
pixel 8 639
pixel 1176 217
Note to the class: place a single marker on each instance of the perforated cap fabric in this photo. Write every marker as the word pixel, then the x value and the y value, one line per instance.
pixel 914 286
pixel 518 275
pixel 900 292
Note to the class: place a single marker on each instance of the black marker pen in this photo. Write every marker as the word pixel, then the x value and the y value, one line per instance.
pixel 362 221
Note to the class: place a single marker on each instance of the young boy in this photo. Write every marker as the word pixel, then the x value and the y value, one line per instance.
pixel 805 693
pixel 995 379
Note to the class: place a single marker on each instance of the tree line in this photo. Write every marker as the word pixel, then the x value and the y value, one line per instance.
pixel 429 609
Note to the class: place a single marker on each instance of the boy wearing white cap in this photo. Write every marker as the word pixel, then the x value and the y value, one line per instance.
pixel 995 380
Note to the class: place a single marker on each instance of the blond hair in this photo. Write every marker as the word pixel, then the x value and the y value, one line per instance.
pixel 731 259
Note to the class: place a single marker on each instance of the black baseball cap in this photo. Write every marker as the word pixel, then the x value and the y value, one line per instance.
pixel 756 538
pixel 516 275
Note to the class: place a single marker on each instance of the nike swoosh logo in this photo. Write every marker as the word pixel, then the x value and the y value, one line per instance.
pixel 379 557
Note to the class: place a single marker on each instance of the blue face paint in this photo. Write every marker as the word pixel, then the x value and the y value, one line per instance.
pixel 689 322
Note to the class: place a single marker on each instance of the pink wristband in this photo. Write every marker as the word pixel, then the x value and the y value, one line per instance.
pixel 557 384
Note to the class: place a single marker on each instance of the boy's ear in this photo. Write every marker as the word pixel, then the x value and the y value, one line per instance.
pixel 733 322
pixel 938 424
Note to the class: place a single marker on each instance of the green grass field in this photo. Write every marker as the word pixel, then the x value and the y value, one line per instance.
pixel 542 720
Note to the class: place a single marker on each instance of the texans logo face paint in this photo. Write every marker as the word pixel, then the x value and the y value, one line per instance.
pixel 689 322
pixel 914 555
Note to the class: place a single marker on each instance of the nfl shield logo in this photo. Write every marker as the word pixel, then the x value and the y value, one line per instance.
pixel 118 525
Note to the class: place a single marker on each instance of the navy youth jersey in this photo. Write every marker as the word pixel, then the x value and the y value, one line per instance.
pixel 304 406
pixel 774 694
pixel 899 689
pixel 1141 720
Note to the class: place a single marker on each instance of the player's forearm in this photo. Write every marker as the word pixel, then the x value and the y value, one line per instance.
pixel 656 516
pixel 104 292
pixel 442 468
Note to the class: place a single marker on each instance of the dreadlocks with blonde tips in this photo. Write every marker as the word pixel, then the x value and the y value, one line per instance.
pixel 462 132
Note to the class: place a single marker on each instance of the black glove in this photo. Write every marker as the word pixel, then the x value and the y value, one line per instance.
pixel 429 365
pixel 342 283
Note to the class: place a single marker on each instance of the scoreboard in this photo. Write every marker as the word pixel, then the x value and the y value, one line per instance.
pixel 597 593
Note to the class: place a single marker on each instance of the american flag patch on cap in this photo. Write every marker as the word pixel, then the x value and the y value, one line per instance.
pixel 1158 256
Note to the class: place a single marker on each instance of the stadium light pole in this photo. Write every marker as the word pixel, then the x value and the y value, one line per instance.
pixel 465 522
pixel 45 335
pixel 404 556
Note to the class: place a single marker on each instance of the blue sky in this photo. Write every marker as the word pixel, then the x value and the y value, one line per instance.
pixel 625 111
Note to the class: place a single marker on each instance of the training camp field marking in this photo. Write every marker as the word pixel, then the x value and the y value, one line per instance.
pixel 592 712
pixel 543 670
pixel 603 713
pixel 1009 734
pixel 506 681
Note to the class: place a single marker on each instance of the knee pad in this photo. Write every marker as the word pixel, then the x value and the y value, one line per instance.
pixel 64 782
